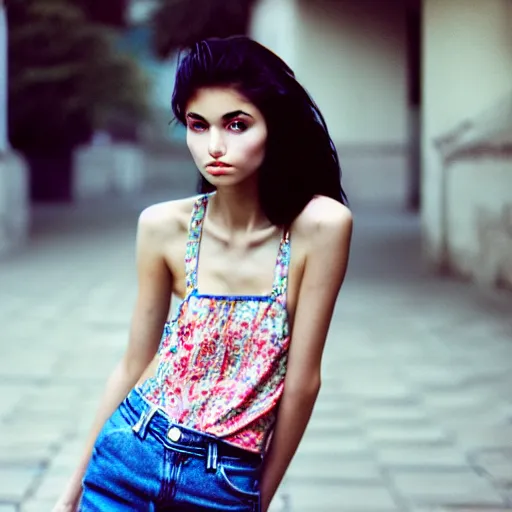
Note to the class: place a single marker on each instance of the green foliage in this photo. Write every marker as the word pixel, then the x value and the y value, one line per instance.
pixel 65 77
pixel 179 23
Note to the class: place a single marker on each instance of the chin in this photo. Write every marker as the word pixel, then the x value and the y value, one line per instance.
pixel 221 180
pixel 231 180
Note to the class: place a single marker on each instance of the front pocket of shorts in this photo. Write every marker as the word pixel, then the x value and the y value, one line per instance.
pixel 114 425
pixel 242 481
pixel 110 455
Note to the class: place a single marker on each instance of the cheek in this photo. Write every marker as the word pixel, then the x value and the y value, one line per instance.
pixel 253 148
pixel 195 145
pixel 190 142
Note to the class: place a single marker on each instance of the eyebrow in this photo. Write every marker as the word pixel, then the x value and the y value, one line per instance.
pixel 225 117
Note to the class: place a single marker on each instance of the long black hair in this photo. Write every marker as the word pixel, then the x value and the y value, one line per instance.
pixel 300 160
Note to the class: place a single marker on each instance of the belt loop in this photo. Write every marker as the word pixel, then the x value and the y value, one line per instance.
pixel 212 457
pixel 141 426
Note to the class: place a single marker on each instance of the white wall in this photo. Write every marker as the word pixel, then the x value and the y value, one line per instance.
pixel 351 56
pixel 274 24
pixel 467 69
pixel 479 218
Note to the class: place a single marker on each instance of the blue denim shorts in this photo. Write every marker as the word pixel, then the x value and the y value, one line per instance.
pixel 142 461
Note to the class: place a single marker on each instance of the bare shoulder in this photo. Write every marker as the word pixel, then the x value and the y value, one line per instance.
pixel 167 218
pixel 323 233
pixel 324 220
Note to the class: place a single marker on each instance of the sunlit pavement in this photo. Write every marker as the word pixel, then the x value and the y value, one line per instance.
pixel 416 405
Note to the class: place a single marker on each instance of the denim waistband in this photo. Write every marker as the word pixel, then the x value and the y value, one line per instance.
pixel 145 416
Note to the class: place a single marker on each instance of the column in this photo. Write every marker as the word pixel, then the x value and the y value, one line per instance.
pixel 14 205
pixel 3 79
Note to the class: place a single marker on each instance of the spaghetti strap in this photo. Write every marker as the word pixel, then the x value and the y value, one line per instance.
pixel 280 285
pixel 194 239
pixel 280 281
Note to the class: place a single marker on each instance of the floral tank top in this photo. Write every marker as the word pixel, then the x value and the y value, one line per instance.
pixel 222 358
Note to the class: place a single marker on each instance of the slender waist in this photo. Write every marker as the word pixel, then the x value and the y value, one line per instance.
pixel 145 417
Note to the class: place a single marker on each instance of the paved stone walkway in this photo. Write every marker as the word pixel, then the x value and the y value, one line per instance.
pixel 415 413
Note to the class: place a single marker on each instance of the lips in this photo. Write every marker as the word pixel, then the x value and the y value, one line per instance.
pixel 217 168
pixel 217 171
pixel 217 164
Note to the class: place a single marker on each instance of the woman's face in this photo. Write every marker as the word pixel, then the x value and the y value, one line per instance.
pixel 226 135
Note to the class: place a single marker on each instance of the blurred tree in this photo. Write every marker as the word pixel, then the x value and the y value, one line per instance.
pixel 178 23
pixel 110 13
pixel 65 80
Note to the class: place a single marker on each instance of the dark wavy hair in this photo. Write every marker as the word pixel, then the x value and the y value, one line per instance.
pixel 300 160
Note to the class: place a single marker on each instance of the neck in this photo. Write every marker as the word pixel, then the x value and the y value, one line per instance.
pixel 238 209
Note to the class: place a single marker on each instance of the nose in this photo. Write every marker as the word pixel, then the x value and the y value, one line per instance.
pixel 217 146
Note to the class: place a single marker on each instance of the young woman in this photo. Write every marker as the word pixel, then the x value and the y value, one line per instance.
pixel 258 260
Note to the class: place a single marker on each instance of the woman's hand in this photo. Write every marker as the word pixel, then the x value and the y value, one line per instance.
pixel 64 507
pixel 66 504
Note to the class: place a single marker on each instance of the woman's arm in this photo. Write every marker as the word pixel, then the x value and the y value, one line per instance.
pixel 324 271
pixel 150 314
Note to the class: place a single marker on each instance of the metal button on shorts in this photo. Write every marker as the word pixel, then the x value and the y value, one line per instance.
pixel 174 434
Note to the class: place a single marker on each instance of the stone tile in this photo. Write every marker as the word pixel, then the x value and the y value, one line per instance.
pixel 15 483
pixel 435 458
pixel 19 453
pixel 460 509
pixel 10 396
pixel 507 494
pixel 279 503
pixel 479 438
pixel 35 505
pixel 388 413
pixel 444 488
pixel 51 395
pixel 82 430
pixel 452 401
pixel 358 349
pixel 399 346
pixel 51 486
pixel 334 407
pixel 411 433
pixel 35 433
pixel 334 395
pixel 8 508
pixel 495 465
pixel 88 367
pixel 67 457
pixel 496 415
pixel 38 425
pixel 376 388
pixel 342 445
pixel 319 467
pixel 307 497
pixel 41 364
pixel 332 426
pixel 432 376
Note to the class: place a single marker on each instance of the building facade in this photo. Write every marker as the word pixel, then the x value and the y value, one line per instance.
pixel 418 99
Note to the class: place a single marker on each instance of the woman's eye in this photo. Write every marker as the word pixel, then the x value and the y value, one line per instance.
pixel 197 127
pixel 238 126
